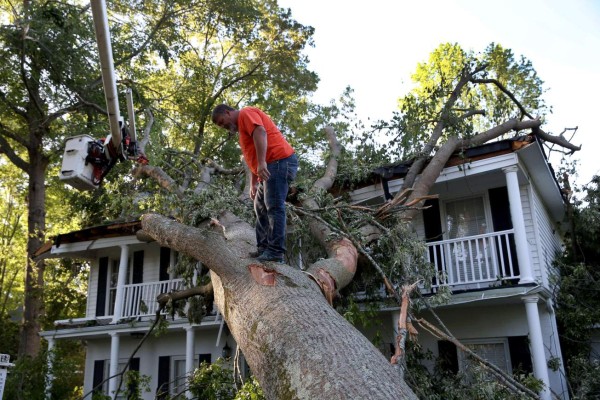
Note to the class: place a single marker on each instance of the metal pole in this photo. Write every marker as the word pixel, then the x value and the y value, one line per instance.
pixel 100 17
pixel 130 113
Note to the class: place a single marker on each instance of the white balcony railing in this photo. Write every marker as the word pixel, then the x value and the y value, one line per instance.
pixel 139 299
pixel 474 261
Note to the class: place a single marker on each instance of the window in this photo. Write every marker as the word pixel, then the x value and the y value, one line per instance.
pixel 179 375
pixel 465 218
pixel 495 351
pixel 106 374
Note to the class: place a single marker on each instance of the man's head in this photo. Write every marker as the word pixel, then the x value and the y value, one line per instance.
pixel 225 117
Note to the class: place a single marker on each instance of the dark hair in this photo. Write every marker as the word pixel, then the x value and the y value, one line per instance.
pixel 220 110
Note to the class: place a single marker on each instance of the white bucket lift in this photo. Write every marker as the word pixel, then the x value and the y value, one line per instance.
pixel 75 171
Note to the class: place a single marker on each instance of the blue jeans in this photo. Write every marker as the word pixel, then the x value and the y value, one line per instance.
pixel 269 206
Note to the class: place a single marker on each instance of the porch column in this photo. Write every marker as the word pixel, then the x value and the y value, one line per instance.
pixel 536 343
pixel 518 221
pixel 122 278
pixel 190 338
pixel 114 364
pixel 50 376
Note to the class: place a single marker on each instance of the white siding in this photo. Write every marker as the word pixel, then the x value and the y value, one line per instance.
pixel 548 236
pixel 151 263
pixel 530 231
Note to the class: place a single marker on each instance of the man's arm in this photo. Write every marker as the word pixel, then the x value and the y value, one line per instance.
pixel 259 135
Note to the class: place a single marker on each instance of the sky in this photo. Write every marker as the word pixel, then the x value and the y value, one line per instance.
pixel 374 47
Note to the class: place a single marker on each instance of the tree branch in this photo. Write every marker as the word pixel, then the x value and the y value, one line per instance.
pixel 506 92
pixel 157 173
pixel 6 148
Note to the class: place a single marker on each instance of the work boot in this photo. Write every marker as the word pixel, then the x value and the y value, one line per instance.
pixel 267 256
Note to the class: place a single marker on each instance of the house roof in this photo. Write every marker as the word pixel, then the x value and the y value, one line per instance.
pixel 114 229
pixel 487 150
pixel 528 149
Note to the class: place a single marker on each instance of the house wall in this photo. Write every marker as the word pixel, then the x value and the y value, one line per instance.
pixel 549 242
pixel 486 322
pixel 151 269
pixel 172 343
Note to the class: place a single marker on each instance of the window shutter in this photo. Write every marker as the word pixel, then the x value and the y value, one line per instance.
pixel 520 356
pixel 165 260
pixel 431 221
pixel 501 219
pixel 500 209
pixel 447 356
pixel 134 365
pixel 164 363
pixel 102 283
pixel 98 376
pixel 138 267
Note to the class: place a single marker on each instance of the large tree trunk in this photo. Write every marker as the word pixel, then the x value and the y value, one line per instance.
pixel 296 344
pixel 29 343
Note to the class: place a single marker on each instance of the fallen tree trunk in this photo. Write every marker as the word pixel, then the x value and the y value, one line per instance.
pixel 296 344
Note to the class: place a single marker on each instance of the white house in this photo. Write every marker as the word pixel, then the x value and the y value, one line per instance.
pixel 125 278
pixel 492 235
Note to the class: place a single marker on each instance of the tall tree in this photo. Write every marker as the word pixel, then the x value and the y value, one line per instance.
pixel 48 92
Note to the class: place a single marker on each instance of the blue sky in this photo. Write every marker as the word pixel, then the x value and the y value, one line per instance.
pixel 374 47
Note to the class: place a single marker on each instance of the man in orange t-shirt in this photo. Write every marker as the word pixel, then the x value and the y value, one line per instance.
pixel 273 164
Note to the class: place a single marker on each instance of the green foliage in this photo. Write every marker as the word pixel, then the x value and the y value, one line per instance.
pixel 65 291
pixel 27 379
pixel 435 80
pixel 250 390
pixel 577 281
pixel 209 203
pixel 9 334
pixel 135 384
pixel 67 369
pixel 215 382
pixel 212 382
pixel 474 382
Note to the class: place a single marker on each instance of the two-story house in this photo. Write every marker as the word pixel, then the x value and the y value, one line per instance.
pixel 492 235
pixel 126 276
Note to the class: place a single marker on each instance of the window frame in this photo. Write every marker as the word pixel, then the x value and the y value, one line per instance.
pixel 486 211
pixel 463 358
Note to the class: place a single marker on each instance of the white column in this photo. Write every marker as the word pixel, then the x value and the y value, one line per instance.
pixel 190 338
pixel 50 376
pixel 518 221
pixel 114 364
pixel 121 283
pixel 536 343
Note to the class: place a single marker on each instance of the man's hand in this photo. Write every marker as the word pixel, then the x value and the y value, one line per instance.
pixel 263 171
pixel 253 186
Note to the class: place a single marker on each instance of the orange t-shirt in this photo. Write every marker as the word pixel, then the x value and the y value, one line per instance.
pixel 277 147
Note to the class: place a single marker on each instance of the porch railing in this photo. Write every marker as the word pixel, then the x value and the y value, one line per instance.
pixel 139 299
pixel 474 261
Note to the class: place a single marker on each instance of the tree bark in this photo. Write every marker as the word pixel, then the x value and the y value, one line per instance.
pixel 33 306
pixel 296 344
